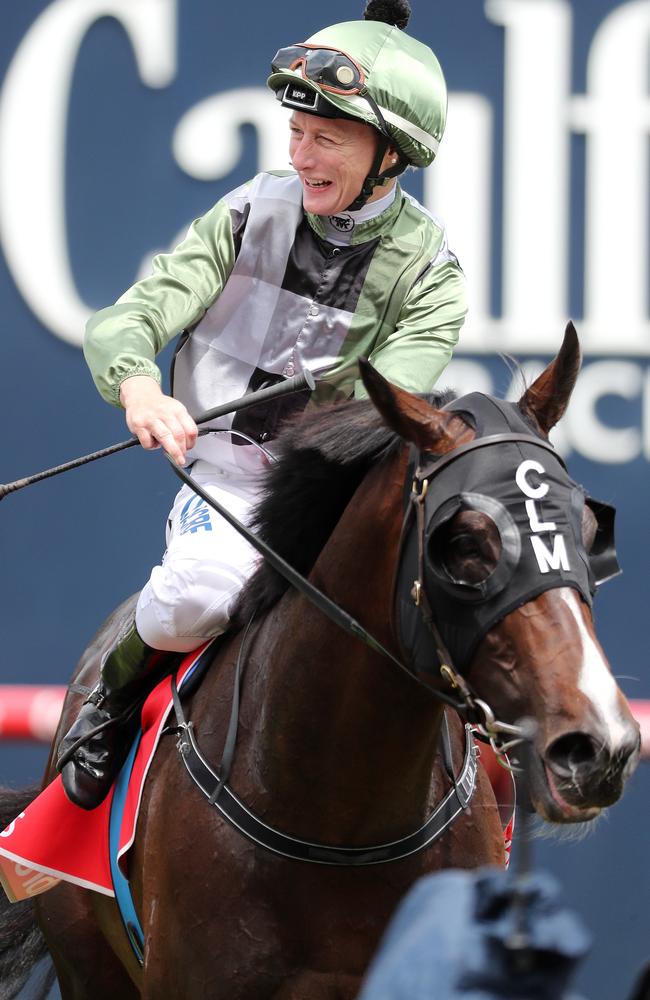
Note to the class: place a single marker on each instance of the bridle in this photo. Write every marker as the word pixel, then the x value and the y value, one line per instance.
pixel 503 591
pixel 501 736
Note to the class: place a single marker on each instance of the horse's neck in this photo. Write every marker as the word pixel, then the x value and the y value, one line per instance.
pixel 335 727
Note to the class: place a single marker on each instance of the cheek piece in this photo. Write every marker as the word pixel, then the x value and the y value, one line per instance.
pixel 523 486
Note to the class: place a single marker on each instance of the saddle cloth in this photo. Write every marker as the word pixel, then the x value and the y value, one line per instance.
pixel 54 840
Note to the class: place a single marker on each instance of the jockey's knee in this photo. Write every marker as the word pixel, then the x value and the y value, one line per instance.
pixel 183 605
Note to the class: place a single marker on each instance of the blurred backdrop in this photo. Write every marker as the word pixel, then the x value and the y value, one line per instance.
pixel 122 120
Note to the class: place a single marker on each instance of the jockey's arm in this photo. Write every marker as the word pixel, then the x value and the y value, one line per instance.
pixel 417 352
pixel 122 341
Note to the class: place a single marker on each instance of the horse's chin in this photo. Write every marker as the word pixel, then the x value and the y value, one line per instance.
pixel 549 803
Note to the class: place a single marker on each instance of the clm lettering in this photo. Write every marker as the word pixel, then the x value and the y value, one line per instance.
pixel 547 559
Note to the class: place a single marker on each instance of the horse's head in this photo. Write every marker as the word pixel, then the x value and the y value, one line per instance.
pixel 504 553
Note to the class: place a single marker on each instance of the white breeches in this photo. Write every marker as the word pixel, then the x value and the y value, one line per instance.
pixel 189 598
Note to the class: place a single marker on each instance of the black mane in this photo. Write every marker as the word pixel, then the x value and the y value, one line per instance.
pixel 322 458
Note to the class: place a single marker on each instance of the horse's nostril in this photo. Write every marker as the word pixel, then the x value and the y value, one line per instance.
pixel 571 752
pixel 628 752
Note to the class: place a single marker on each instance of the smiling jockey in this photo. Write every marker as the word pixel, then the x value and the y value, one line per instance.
pixel 294 270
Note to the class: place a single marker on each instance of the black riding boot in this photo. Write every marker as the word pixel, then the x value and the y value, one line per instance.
pixel 89 770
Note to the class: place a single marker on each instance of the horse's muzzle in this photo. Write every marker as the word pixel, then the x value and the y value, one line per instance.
pixel 578 776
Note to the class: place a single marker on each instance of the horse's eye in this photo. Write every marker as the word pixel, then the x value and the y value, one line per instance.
pixel 464 546
pixel 464 560
pixel 467 549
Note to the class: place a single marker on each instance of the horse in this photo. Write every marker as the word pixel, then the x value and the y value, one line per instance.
pixel 336 744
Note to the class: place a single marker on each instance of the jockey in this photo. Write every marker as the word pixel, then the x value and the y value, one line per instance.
pixel 302 269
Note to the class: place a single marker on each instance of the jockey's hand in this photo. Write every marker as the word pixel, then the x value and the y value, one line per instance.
pixel 157 420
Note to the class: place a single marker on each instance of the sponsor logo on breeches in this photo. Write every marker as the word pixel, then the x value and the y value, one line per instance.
pixel 195 516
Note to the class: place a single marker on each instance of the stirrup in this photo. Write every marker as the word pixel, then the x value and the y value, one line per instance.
pixel 97 698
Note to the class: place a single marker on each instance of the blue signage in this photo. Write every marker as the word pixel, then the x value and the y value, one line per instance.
pixel 121 121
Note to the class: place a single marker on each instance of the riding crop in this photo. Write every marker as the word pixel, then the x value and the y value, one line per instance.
pixel 304 380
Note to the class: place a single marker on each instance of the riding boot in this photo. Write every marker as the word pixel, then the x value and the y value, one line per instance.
pixel 90 757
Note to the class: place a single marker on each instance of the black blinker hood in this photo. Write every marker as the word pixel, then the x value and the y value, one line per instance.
pixel 523 486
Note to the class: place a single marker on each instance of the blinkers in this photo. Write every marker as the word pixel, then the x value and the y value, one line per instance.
pixel 534 508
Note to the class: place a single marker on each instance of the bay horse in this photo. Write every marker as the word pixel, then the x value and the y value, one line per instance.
pixel 336 745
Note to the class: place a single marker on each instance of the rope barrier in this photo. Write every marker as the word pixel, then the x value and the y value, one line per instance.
pixel 30 712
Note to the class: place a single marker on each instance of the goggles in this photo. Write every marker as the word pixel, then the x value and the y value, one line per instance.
pixel 331 69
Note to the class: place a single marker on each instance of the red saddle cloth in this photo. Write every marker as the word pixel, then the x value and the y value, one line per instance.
pixel 53 839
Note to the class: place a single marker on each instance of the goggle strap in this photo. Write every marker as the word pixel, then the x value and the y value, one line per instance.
pixel 382 125
pixel 414 131
pixel 382 115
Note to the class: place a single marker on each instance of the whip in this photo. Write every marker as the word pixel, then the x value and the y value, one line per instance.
pixel 304 380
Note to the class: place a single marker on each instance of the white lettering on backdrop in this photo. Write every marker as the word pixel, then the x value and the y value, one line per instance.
pixel 582 429
pixel 207 141
pixel 33 112
pixel 540 114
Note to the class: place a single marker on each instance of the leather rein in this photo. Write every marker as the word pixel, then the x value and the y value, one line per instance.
pixel 213 782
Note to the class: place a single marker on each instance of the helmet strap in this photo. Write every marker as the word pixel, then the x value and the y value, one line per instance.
pixel 375 177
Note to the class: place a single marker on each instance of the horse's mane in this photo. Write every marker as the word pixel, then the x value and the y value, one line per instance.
pixel 323 456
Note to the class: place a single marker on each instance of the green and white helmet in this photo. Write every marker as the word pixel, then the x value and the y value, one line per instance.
pixel 371 71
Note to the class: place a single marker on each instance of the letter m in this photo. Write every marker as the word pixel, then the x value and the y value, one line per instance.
pixel 550 560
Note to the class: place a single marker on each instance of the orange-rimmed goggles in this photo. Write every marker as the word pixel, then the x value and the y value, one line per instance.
pixel 331 69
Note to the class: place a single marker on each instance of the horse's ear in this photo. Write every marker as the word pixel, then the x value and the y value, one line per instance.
pixel 412 418
pixel 548 397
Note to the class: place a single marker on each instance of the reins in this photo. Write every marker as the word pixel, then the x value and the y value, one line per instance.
pixel 486 726
pixel 213 782
pixel 473 709
pixel 305 587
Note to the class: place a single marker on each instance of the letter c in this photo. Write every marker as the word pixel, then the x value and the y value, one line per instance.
pixel 33 110
pixel 534 492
